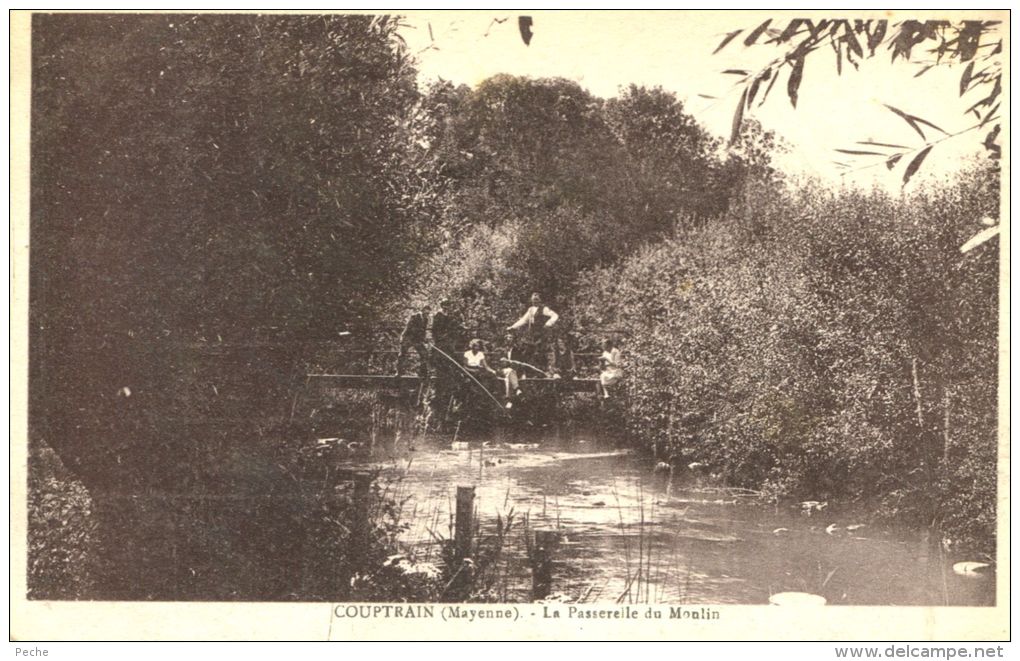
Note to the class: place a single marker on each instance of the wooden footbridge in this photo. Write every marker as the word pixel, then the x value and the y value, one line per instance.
pixel 366 358
pixel 392 382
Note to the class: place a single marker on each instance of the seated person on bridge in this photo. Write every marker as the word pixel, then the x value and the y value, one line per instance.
pixel 413 336
pixel 562 358
pixel 612 368
pixel 537 323
pixel 474 359
pixel 506 362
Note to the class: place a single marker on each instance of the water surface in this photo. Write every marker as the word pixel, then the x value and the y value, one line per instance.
pixel 633 535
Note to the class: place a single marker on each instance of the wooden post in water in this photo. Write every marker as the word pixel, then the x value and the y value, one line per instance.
pixel 464 522
pixel 375 422
pixel 545 545
pixel 361 520
pixel 463 534
pixel 670 445
pixel 362 501
pixel 946 406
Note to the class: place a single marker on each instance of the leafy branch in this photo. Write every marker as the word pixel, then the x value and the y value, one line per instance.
pixel 891 159
pixel 973 44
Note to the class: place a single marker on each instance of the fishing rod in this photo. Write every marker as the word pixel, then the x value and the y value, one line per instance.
pixel 518 362
pixel 470 376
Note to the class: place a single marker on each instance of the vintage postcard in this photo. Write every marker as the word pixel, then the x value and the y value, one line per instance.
pixel 510 325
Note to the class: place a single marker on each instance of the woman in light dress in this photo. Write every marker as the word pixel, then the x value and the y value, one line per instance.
pixel 474 359
pixel 612 367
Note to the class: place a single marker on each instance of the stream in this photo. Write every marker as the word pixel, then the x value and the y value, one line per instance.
pixel 630 534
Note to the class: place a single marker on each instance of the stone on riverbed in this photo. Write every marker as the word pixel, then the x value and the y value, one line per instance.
pixel 797 599
pixel 971 569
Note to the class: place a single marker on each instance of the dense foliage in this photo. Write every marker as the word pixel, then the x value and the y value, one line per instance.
pixel 542 180
pixel 201 179
pixel 62 541
pixel 825 345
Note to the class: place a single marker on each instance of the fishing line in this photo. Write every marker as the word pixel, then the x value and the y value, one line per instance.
pixel 470 376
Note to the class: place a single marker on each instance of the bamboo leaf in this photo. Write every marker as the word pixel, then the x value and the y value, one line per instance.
pixel 875 37
pixel 852 43
pixel 817 30
pixel 524 24
pixel 891 162
pixel 988 100
pixel 765 95
pixel 738 117
pixel 757 32
pixel 882 144
pixel 927 123
pixel 790 30
pixel 915 164
pixel 990 141
pixel 793 84
pixel 969 38
pixel 973 108
pixel 979 238
pixel 923 71
pixel 765 75
pixel 966 77
pixel 909 33
pixel 909 119
pixel 737 72
pixel 989 115
pixel 860 152
pixel 727 39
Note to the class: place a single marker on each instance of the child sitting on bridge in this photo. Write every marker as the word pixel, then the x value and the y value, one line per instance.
pixel 612 368
pixel 506 360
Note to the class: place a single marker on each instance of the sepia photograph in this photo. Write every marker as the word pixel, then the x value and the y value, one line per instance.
pixel 500 313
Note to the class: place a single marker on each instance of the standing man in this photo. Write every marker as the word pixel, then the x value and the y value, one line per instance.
pixel 537 323
pixel 413 336
pixel 446 332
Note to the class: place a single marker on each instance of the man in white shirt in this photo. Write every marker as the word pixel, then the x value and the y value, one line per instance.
pixel 537 322
pixel 537 315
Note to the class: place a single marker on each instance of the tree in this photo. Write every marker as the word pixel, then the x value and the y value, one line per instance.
pixel 670 162
pixel 542 180
pixel 199 178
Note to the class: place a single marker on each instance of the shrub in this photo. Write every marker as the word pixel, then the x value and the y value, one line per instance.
pixel 822 344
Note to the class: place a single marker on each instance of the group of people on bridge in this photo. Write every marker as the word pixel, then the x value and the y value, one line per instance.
pixel 533 346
